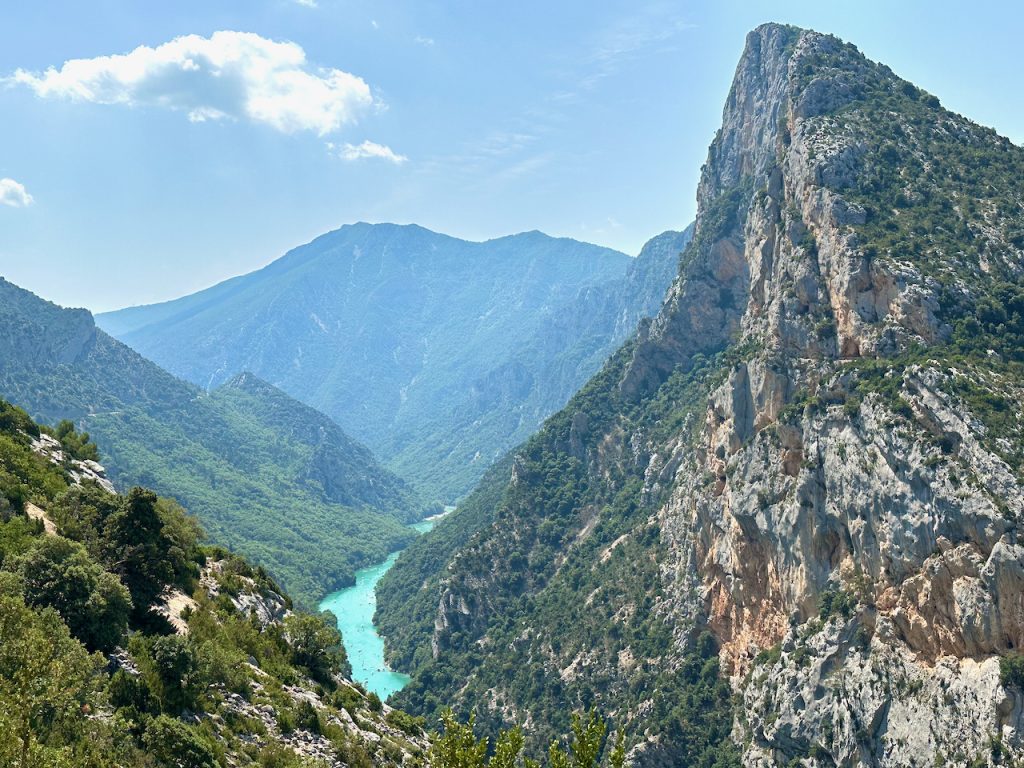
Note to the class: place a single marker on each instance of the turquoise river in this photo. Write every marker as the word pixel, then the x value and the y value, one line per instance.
pixel 354 607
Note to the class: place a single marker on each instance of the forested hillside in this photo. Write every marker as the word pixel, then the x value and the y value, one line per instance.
pixel 267 475
pixel 438 353
pixel 125 641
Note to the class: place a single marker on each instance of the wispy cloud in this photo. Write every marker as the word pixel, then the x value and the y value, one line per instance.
pixel 493 157
pixel 523 167
pixel 496 148
pixel 650 30
pixel 504 143
pixel 307 3
pixel 519 148
pixel 427 41
pixel 604 228
pixel 14 194
pixel 229 75
pixel 368 150
pixel 645 31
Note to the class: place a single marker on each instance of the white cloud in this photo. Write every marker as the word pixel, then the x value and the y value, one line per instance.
pixel 13 194
pixel 369 150
pixel 307 3
pixel 427 41
pixel 227 75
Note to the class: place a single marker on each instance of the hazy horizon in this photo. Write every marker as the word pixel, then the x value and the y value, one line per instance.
pixel 182 147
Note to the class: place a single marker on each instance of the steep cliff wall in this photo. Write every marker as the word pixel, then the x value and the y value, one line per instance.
pixel 845 458
pixel 811 453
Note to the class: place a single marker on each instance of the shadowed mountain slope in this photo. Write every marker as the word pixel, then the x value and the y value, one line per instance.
pixel 440 354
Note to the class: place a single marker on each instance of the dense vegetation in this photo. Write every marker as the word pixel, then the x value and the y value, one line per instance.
pixel 561 567
pixel 160 699
pixel 440 354
pixel 91 677
pixel 268 476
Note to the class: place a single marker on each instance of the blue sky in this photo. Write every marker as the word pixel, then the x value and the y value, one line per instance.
pixel 136 179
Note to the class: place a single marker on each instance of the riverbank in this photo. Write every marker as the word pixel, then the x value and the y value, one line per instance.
pixel 354 608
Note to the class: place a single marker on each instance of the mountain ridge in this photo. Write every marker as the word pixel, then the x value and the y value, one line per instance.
pixel 803 462
pixel 112 321
pixel 221 453
pixel 440 354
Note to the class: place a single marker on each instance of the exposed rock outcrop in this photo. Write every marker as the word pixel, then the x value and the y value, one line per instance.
pixel 897 497
pixel 263 605
pixel 817 426
pixel 78 471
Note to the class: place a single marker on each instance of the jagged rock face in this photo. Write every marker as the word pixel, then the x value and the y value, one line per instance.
pixel 818 433
pixel 79 472
pixel 908 507
pixel 832 697
pixel 264 605
pixel 74 331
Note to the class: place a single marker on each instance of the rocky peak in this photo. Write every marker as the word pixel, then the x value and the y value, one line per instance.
pixel 41 331
pixel 848 227
pixel 817 423
pixel 747 141
pixel 840 210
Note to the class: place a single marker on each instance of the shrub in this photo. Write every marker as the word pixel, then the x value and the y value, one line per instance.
pixel 173 743
pixel 836 602
pixel 1011 670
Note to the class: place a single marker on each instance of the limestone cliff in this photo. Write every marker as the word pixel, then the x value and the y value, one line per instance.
pixel 842 452
pixel 812 452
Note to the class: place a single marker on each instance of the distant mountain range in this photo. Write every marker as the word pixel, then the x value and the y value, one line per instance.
pixel 266 474
pixel 440 354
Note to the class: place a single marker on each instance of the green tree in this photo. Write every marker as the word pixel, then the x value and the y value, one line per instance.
pixel 507 749
pixel 94 604
pixel 172 670
pixel 138 550
pixel 81 514
pixel 45 677
pixel 1011 670
pixel 77 444
pixel 586 745
pixel 458 747
pixel 276 755
pixel 175 745
pixel 315 646
pixel 17 536
pixel 182 534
